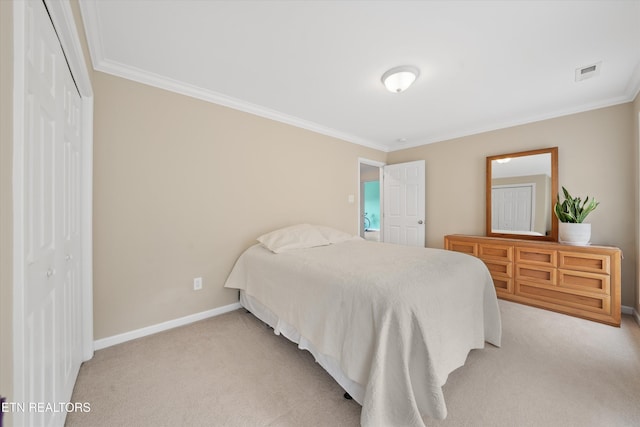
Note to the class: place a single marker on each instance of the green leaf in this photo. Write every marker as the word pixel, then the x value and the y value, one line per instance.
pixel 574 209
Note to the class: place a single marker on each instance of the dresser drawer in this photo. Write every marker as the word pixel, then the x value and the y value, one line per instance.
pixel 495 252
pixel 584 281
pixel 503 285
pixel 499 268
pixel 469 248
pixel 543 275
pixel 536 256
pixel 595 263
pixel 577 302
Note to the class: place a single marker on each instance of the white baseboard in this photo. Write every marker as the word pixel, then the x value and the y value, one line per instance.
pixel 631 311
pixel 170 324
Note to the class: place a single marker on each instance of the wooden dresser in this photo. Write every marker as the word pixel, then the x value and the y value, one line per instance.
pixel 582 281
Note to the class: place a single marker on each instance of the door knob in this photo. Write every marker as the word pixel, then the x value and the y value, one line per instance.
pixel 419 221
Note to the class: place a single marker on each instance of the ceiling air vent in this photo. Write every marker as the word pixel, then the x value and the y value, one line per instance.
pixel 589 71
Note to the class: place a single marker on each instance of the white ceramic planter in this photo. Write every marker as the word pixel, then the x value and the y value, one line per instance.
pixel 574 234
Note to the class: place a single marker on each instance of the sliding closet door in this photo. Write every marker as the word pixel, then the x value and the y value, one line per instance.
pixel 51 188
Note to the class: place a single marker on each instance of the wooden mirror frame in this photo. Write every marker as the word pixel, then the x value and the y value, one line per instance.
pixel 554 194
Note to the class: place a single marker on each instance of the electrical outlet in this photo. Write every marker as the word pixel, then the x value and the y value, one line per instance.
pixel 197 283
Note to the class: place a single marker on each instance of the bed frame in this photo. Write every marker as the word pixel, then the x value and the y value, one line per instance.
pixel 352 389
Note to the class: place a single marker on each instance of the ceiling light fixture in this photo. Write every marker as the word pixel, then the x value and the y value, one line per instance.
pixel 399 79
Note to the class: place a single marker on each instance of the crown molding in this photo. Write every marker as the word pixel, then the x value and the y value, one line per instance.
pixel 101 63
pixel 166 83
pixel 629 97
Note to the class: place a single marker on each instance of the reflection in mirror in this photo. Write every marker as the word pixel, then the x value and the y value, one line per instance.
pixel 521 189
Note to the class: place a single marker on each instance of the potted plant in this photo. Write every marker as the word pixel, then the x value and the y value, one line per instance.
pixel 571 213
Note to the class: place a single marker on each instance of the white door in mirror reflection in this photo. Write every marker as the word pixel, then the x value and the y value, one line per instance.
pixel 512 208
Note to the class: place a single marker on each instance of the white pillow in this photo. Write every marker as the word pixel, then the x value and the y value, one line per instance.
pixel 295 237
pixel 333 235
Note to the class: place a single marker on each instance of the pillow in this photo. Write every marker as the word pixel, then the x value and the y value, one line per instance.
pixel 299 236
pixel 333 235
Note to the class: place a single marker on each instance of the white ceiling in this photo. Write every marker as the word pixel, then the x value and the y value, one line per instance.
pixel 317 64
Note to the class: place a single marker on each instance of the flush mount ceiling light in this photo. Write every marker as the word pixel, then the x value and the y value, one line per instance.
pixel 398 79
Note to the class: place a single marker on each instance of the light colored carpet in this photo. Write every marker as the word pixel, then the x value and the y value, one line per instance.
pixel 231 370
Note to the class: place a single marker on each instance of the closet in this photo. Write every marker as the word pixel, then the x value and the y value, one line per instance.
pixel 50 250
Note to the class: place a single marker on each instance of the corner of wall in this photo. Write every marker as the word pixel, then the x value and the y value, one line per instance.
pixel 636 133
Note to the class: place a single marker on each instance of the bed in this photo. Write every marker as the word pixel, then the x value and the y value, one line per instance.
pixel 389 323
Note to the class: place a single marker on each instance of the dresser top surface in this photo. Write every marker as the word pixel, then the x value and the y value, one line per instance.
pixel 537 243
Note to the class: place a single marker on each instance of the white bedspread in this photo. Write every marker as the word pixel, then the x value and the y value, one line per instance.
pixel 399 319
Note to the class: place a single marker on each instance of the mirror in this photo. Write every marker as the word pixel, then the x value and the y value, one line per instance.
pixel 521 192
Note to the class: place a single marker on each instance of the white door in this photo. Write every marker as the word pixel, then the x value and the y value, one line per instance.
pixel 404 194
pixel 512 207
pixel 51 298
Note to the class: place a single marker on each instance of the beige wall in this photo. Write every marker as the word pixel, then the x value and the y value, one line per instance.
pixel 596 158
pixel 182 186
pixel 6 204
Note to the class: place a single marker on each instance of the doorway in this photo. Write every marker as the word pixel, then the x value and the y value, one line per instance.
pixel 370 200
pixel 391 202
